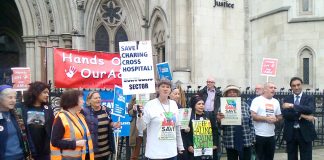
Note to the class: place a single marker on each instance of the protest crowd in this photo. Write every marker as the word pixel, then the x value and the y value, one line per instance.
pixel 169 128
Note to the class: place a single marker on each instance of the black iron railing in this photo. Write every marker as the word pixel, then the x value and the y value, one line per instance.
pixel 247 95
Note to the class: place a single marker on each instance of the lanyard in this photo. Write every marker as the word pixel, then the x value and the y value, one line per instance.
pixel 163 107
pixel 168 115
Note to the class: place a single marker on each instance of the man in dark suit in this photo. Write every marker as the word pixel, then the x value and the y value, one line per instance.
pixel 299 130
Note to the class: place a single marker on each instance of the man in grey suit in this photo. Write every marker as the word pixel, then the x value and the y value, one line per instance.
pixel 299 130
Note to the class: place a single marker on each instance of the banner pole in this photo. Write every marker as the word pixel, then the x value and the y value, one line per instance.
pixel 116 143
pixel 267 79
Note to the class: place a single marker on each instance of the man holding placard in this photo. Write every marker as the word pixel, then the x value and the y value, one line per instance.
pixel 265 111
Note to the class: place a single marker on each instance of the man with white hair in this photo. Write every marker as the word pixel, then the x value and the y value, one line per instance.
pixel 258 92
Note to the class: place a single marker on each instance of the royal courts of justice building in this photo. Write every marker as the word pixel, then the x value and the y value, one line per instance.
pixel 224 38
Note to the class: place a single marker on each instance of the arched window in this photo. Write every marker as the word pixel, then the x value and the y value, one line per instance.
pixel 159 40
pixel 111 17
pixel 9 52
pixel 306 65
pixel 102 39
pixel 120 37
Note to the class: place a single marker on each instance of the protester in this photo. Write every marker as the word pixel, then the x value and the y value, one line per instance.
pixel 265 111
pixel 163 128
pixel 177 94
pixel 136 138
pixel 100 125
pixel 13 136
pixel 299 130
pixel 258 92
pixel 71 138
pixel 38 117
pixel 238 139
pixel 198 113
pixel 211 95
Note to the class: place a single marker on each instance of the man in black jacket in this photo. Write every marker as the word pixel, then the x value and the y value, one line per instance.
pixel 299 130
pixel 211 96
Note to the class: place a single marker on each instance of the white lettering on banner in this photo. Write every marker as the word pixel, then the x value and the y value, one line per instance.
pixel 125 123
pixel 115 61
pixel 121 98
pixel 82 60
pixel 87 73
pixel 109 104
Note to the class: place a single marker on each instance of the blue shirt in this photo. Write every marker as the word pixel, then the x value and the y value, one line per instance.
pixel 13 149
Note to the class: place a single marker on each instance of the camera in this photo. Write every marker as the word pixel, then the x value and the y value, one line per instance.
pixel 139 110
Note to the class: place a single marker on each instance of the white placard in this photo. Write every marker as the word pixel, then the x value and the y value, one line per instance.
pixel 137 67
pixel 231 108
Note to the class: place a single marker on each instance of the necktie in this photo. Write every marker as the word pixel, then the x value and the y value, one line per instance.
pixel 297 100
pixel 296 124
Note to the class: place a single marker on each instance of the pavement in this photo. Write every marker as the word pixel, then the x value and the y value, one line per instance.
pixel 318 154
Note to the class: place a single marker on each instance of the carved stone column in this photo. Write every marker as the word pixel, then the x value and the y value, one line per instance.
pixel 41 58
pixel 181 42
pixel 67 39
pixel 78 38
pixel 54 42
pixel 30 54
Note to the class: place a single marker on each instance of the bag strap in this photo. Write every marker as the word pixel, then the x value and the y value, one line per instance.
pixel 23 133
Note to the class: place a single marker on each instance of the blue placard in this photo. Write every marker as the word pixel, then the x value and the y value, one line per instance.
pixel 107 100
pixel 119 102
pixel 164 70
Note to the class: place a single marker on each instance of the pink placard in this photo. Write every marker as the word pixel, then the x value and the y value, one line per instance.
pixel 269 67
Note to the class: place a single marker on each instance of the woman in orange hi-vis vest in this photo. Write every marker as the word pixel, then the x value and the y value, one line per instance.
pixel 70 135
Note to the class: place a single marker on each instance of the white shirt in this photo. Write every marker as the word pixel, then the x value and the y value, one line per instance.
pixel 295 97
pixel 265 107
pixel 153 117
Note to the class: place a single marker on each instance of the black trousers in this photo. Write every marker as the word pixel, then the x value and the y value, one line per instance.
pixel 233 154
pixel 305 148
pixel 265 147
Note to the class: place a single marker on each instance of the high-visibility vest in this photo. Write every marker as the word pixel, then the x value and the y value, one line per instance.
pixel 72 129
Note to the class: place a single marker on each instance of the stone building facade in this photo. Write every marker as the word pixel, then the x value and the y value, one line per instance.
pixel 199 38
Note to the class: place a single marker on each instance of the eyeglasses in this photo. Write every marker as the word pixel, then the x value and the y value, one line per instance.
pixel 210 81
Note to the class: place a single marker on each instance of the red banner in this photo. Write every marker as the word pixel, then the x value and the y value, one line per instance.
pixel 21 77
pixel 86 69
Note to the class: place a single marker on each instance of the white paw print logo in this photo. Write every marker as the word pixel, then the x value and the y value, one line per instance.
pixel 70 73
